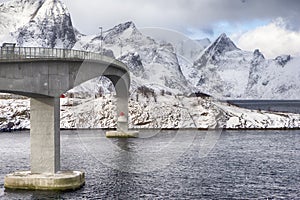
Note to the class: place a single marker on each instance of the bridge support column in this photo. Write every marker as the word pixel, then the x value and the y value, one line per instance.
pixel 45 152
pixel 122 111
pixel 45 135
pixel 122 91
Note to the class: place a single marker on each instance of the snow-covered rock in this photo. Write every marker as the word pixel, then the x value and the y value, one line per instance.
pixel 14 114
pixel 222 70
pixel 45 23
pixel 274 79
pixel 150 111
pixel 212 53
pixel 185 47
pixel 225 71
pixel 150 62
pixel 240 118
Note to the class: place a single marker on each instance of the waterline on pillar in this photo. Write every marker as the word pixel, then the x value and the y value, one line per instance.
pixel 121 134
pixel 122 129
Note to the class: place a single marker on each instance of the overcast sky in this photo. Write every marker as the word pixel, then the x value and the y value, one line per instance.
pixel 205 15
pixel 273 26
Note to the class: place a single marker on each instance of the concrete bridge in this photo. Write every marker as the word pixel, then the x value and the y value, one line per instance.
pixel 44 74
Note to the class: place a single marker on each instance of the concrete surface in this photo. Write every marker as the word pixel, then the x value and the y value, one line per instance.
pixel 121 134
pixel 44 135
pixel 63 180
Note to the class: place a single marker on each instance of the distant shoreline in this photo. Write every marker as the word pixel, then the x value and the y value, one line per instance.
pixel 163 129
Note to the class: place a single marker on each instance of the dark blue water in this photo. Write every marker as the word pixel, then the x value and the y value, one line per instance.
pixel 184 164
pixel 292 106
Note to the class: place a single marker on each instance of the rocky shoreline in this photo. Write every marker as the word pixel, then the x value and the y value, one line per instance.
pixel 162 112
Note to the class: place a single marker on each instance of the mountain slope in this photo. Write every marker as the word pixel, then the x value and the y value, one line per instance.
pixel 45 23
pixel 225 71
pixel 275 79
pixel 151 63
pixel 221 69
pixel 218 48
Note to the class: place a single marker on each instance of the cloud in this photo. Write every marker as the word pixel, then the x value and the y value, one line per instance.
pixel 273 39
pixel 180 14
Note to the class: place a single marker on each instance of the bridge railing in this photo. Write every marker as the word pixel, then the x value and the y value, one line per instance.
pixel 18 53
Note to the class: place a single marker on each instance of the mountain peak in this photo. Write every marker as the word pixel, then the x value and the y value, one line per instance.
pixel 121 31
pixel 223 35
pixel 51 9
pixel 128 24
pixel 257 54
pixel 44 23
pixel 122 27
pixel 283 59
pixel 221 45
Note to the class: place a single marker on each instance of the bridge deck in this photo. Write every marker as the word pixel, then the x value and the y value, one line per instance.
pixel 12 54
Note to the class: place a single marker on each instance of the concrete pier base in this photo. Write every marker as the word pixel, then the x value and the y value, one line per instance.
pixel 62 180
pixel 121 134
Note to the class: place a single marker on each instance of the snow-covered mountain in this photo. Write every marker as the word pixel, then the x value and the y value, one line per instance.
pixel 222 69
pixel 151 63
pixel 45 23
pixel 274 79
pixel 185 47
pixel 225 71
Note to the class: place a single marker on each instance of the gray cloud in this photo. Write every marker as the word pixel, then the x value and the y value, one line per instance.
pixel 179 14
pixel 272 39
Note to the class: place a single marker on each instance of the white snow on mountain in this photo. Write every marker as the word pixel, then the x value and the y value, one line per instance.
pixel 275 79
pixel 150 62
pixel 186 49
pixel 45 23
pixel 162 111
pixel 15 14
pixel 184 46
pixel 14 113
pixel 225 71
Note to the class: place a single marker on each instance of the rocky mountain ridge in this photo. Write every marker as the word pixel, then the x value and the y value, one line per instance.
pixel 226 71
pixel 42 23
